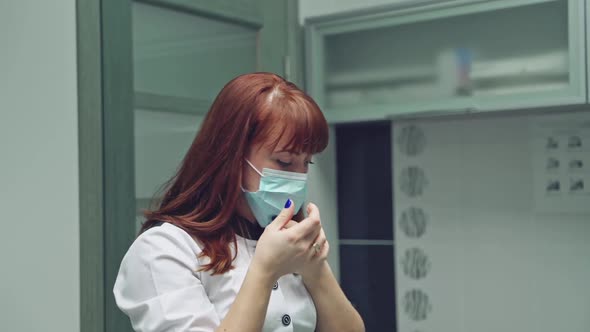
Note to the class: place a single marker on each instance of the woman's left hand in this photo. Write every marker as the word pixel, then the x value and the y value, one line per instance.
pixel 334 310
pixel 318 252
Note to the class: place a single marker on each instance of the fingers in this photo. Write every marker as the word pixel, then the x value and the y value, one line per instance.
pixel 321 239
pixel 319 244
pixel 309 228
pixel 284 217
pixel 313 218
pixel 313 211
pixel 290 224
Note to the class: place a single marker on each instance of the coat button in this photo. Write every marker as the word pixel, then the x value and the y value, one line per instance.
pixel 286 320
pixel 275 286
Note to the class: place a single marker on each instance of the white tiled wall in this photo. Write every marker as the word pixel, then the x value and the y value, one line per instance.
pixel 497 261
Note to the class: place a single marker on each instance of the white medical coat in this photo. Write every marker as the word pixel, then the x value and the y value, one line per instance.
pixel 160 289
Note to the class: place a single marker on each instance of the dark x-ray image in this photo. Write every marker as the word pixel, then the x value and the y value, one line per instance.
pixel 552 164
pixel 576 185
pixel 415 263
pixel 416 305
pixel 413 181
pixel 551 143
pixel 553 186
pixel 574 142
pixel 411 140
pixel 576 164
pixel 413 222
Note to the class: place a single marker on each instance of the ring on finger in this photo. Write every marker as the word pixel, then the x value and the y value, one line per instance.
pixel 317 247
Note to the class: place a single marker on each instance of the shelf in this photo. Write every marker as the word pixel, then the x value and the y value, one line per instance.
pixel 158 102
pixel 551 65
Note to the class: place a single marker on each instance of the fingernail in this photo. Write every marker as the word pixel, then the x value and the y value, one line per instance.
pixel 288 203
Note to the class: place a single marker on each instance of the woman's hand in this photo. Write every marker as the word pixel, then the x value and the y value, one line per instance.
pixel 287 246
pixel 318 252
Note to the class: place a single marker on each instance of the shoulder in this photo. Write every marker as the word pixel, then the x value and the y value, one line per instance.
pixel 161 259
pixel 158 285
pixel 160 244
pixel 166 236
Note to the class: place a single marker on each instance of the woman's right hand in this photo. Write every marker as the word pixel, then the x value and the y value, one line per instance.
pixel 281 250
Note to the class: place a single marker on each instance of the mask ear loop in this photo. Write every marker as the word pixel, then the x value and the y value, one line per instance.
pixel 254 168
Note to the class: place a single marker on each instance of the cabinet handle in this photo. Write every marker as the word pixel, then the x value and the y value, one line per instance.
pixel 435 113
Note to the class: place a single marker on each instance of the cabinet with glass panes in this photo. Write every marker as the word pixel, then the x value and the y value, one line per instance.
pixel 446 57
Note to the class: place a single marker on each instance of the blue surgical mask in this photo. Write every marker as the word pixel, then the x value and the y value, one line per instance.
pixel 275 188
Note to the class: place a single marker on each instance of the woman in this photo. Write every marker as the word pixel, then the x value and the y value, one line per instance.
pixel 230 247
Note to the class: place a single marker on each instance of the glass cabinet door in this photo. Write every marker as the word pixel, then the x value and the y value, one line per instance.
pixel 462 56
pixel 181 62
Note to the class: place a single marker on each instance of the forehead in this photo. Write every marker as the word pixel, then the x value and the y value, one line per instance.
pixel 289 131
pixel 281 145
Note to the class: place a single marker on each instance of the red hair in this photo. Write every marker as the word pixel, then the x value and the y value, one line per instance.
pixel 252 109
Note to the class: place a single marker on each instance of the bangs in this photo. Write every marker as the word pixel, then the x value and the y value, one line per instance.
pixel 294 118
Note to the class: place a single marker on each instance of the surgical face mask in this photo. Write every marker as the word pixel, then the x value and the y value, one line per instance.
pixel 273 191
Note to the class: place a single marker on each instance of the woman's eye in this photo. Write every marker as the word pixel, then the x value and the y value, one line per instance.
pixel 283 163
pixel 309 162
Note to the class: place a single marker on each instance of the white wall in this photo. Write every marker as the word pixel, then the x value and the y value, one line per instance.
pixel 322 192
pixel 39 246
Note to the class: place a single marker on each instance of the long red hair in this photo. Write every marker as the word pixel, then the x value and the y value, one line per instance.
pixel 201 198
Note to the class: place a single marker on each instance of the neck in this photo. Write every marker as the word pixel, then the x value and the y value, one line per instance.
pixel 248 229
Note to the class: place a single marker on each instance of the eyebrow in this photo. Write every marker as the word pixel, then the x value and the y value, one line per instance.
pixel 294 153
pixel 307 155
